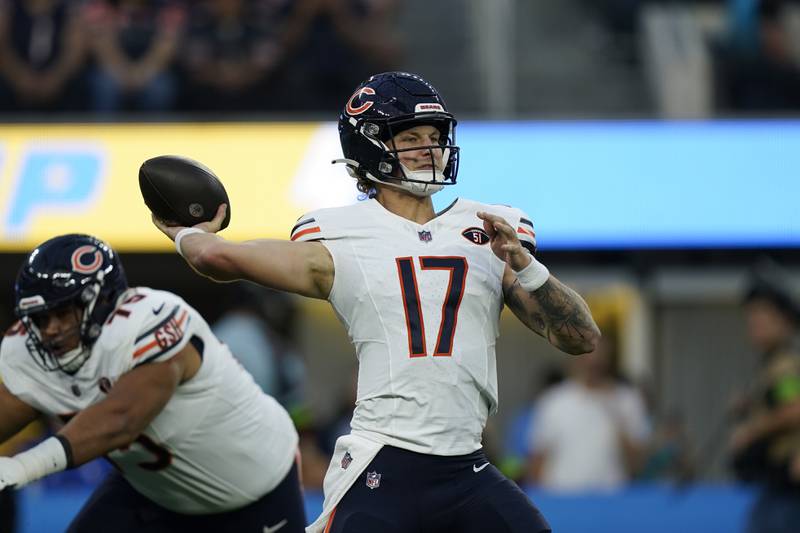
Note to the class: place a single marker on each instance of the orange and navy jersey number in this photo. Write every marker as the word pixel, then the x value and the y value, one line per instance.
pixel 161 338
pixel 305 227
pixel 415 324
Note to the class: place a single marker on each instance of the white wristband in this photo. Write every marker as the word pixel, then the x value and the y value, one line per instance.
pixel 183 233
pixel 44 459
pixel 533 276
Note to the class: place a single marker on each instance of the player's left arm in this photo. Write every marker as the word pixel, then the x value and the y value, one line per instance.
pixel 116 421
pixel 552 309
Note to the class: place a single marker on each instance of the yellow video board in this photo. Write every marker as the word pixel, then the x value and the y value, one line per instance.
pixel 83 178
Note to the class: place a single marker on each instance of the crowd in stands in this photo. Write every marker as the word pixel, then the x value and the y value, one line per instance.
pixel 128 56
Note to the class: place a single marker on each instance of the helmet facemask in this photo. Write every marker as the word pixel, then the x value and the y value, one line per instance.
pixel 390 169
pixel 86 329
pixel 73 270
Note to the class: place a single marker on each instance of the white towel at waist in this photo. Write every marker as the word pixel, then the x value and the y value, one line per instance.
pixel 350 457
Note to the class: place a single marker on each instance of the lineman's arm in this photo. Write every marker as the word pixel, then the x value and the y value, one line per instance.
pixel 115 422
pixel 14 414
pixel 304 268
pixel 552 310
pixel 132 403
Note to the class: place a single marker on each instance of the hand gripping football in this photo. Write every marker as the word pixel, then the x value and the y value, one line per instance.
pixel 182 191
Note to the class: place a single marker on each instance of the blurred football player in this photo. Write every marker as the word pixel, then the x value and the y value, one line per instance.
pixel 138 376
pixel 420 294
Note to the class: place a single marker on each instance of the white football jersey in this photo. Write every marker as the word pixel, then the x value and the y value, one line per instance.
pixel 421 304
pixel 219 443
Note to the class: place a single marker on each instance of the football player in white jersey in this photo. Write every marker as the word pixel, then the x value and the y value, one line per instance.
pixel 420 294
pixel 136 375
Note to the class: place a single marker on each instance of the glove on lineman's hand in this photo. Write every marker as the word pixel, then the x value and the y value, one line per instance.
pixel 12 473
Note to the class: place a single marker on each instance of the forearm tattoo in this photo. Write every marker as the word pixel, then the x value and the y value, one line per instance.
pixel 556 312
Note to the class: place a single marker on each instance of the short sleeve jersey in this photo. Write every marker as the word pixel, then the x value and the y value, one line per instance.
pixel 200 452
pixel 421 304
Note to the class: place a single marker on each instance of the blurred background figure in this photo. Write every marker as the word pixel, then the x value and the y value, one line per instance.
pixel 515 444
pixel 231 49
pixel 758 68
pixel 258 326
pixel 134 44
pixel 590 431
pixel 42 54
pixel 765 444
pixel 334 45
pixel 669 454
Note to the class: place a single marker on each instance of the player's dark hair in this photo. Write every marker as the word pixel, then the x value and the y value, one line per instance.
pixel 768 283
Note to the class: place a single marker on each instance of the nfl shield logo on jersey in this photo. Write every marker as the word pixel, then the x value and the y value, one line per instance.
pixel 425 236
pixel 373 480
pixel 346 460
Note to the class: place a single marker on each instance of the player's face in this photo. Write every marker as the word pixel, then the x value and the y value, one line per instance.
pixel 767 327
pixel 419 137
pixel 59 328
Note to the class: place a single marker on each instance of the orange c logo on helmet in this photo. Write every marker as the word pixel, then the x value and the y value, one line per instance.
pixel 78 264
pixel 363 107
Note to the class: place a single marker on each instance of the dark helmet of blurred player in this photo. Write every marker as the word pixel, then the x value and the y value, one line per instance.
pixel 380 108
pixel 70 270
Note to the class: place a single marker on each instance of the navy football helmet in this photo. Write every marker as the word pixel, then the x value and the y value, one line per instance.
pixel 380 108
pixel 69 269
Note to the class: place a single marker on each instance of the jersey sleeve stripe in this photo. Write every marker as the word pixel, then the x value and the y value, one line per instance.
pixel 155 344
pixel 301 224
pixel 306 231
pixel 526 222
pixel 526 231
pixel 157 326
pixel 144 348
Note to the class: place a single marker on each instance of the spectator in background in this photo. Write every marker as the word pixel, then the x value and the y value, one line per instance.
pixel 755 64
pixel 590 431
pixel 335 44
pixel 134 44
pixel 232 47
pixel 669 453
pixel 515 440
pixel 258 327
pixel 42 52
pixel 765 444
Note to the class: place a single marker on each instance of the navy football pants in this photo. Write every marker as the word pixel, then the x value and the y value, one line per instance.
pixel 419 493
pixel 116 506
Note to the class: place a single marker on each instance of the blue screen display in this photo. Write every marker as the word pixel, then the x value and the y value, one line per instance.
pixel 634 184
